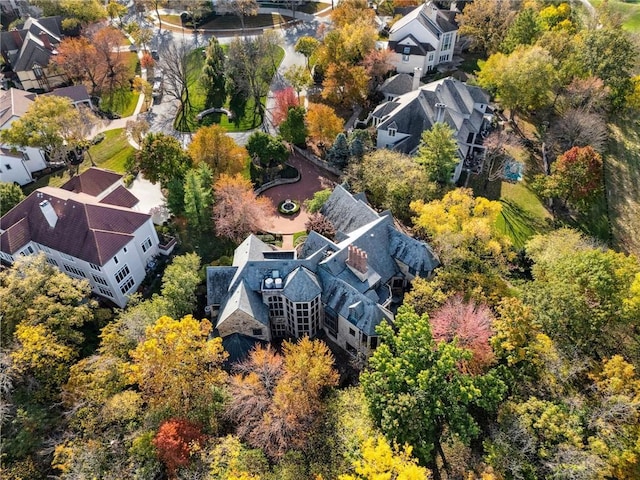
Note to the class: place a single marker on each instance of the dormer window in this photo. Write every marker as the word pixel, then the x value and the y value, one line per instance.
pixel 405 54
pixel 392 132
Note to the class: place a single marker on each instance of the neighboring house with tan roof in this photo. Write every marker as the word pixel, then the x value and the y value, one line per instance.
pixel 17 163
pixel 465 108
pixel 424 38
pixel 28 51
pixel 341 288
pixel 88 230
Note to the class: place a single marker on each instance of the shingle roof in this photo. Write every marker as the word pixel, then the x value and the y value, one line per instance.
pixel 121 197
pixel 85 229
pixel 238 346
pixel 417 255
pixel 75 93
pixel 14 102
pixel 245 300
pixel 301 285
pixel 218 282
pixel 251 249
pixel 346 213
pixel 397 85
pixel 93 182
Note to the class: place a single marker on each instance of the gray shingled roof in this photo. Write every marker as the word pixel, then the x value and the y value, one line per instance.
pixel 245 300
pixel 218 282
pixel 75 93
pixel 301 285
pixel 238 346
pixel 346 213
pixel 417 255
pixel 251 249
pixel 398 84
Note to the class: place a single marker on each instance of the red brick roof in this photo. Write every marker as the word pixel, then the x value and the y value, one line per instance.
pixel 92 182
pixel 85 229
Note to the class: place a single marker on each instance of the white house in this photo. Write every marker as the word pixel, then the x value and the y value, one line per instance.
pixel 88 230
pixel 424 38
pixel 17 163
pixel 400 121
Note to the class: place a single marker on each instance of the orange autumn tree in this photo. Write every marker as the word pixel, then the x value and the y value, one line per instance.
pixel 237 210
pixel 276 400
pixel 77 59
pixel 323 123
pixel 174 442
pixel 212 145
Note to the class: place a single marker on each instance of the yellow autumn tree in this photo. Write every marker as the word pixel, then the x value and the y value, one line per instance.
pixel 212 145
pixel 178 368
pixel 323 123
pixel 380 461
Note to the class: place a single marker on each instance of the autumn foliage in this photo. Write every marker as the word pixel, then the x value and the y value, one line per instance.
pixel 323 123
pixel 238 211
pixel 579 172
pixel 174 442
pixel 285 99
pixel 470 325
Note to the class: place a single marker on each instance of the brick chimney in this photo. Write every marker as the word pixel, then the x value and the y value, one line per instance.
pixel 357 259
pixel 45 39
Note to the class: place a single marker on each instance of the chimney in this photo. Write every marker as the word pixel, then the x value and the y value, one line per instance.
pixel 417 73
pixel 17 38
pixel 45 39
pixel 440 112
pixel 49 213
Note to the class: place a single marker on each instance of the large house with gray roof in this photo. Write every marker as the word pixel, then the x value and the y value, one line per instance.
pixel 424 38
pixel 27 53
pixel 401 120
pixel 343 287
pixel 89 229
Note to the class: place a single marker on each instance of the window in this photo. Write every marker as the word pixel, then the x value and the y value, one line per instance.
pixel 444 58
pixel 373 343
pixel 122 273
pixel 45 249
pixel 95 267
pixel 127 285
pixel 99 280
pixel 105 291
pixel 74 271
pixel 470 137
pixel 146 245
pixel 446 41
pixel 7 166
pixel 115 260
pixel 430 58
pixel 257 332
pixel 124 249
pixel 351 349
pixel 51 261
pixel 405 54
pixel 392 132
pixel 331 322
pixel 352 332
pixel 29 249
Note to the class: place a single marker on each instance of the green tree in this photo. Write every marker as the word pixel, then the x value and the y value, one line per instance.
pixel 523 80
pixel 179 284
pixel 339 152
pixel 198 197
pixel 179 369
pixel 299 78
pixel 416 392
pixel 319 198
pixel 10 195
pixel 35 293
pixel 438 153
pixel 213 77
pixel 579 294
pixel 294 129
pixel 161 158
pixel 392 181
pixel 524 30
pixel 270 151
pixel 51 123
pixel 307 47
pixel 116 10
pixel 609 54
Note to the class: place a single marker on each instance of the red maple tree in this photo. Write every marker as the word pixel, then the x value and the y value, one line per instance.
pixel 174 441
pixel 470 325
pixel 285 99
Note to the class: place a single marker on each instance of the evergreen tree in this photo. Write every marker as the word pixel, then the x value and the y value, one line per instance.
pixel 339 152
pixel 213 79
pixel 293 129
pixel 198 197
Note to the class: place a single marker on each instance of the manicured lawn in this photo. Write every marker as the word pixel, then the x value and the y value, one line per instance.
pixel 629 11
pixel 197 95
pixel 523 215
pixel 111 153
pixel 232 22
pixel 123 101
pixel 622 181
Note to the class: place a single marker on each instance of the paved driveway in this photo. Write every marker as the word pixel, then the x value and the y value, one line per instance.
pixel 312 180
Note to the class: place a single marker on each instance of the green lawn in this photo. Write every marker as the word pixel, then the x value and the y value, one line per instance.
pixel 111 153
pixel 232 22
pixel 123 101
pixel 629 12
pixel 197 95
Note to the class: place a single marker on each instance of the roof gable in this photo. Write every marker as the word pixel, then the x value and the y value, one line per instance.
pixel 345 212
pixel 93 181
pixel 301 285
